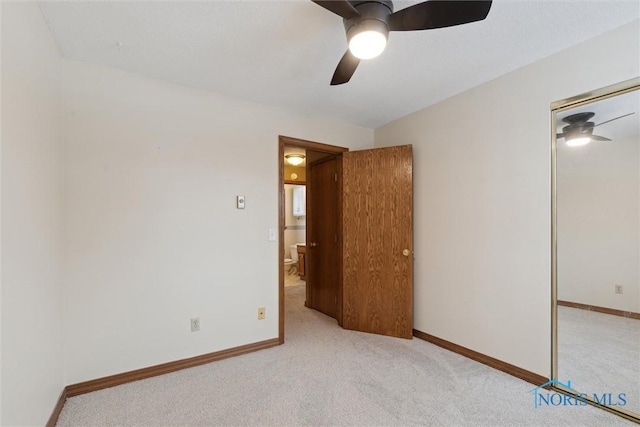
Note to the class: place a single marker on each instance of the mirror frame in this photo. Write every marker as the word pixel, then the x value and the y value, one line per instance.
pixel 556 107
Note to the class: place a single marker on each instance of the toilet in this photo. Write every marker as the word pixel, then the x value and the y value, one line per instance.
pixel 292 263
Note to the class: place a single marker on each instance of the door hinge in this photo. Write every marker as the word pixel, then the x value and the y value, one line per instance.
pixel 336 300
pixel 336 239
pixel 335 177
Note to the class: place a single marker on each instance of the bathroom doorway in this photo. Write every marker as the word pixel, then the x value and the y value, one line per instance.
pixel 296 228
pixel 295 215
pixel 364 201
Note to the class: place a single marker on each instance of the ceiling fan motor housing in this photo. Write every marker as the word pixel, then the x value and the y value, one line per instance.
pixel 374 16
pixel 579 118
pixel 574 129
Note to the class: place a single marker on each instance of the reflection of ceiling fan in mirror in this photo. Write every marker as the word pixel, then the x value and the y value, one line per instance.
pixel 579 130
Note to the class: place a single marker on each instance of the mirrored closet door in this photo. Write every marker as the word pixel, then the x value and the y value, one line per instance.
pixel 596 253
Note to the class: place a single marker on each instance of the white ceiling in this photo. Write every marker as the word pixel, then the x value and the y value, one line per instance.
pixel 284 52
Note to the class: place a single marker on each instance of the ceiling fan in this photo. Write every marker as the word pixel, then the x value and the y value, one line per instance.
pixel 579 130
pixel 368 22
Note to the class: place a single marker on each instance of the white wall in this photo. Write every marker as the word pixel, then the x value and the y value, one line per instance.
pixel 154 238
pixel 296 225
pixel 598 222
pixel 31 217
pixel 482 200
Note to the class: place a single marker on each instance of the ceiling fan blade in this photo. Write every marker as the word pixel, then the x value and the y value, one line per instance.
pixel 438 14
pixel 599 138
pixel 345 69
pixel 339 7
pixel 609 121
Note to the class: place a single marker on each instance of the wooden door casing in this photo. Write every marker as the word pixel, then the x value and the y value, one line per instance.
pixel 377 271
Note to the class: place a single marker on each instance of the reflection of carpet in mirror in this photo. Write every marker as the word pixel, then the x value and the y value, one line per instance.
pixel 292 279
pixel 600 353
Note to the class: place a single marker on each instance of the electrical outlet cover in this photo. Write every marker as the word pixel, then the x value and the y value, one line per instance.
pixel 195 324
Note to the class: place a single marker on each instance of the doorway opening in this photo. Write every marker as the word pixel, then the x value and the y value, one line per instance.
pixel 295 216
pixel 359 236
pixel 292 224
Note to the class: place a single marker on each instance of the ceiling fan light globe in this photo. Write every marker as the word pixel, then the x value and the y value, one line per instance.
pixel 367 44
pixel 577 142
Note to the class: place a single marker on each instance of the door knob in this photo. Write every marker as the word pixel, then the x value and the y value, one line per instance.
pixel 313 244
pixel 406 252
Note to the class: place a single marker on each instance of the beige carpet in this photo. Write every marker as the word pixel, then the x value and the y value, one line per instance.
pixel 600 353
pixel 324 376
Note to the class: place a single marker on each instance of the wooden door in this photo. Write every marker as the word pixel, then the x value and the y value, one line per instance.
pixel 377 276
pixel 323 252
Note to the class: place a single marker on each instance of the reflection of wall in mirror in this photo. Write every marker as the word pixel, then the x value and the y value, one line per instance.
pixel 598 201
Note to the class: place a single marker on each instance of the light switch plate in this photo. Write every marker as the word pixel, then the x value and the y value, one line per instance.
pixel 272 235
pixel 240 202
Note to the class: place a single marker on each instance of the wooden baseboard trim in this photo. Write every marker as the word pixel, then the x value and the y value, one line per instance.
pixel 152 371
pixel 604 310
pixel 165 368
pixel 53 419
pixel 513 370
